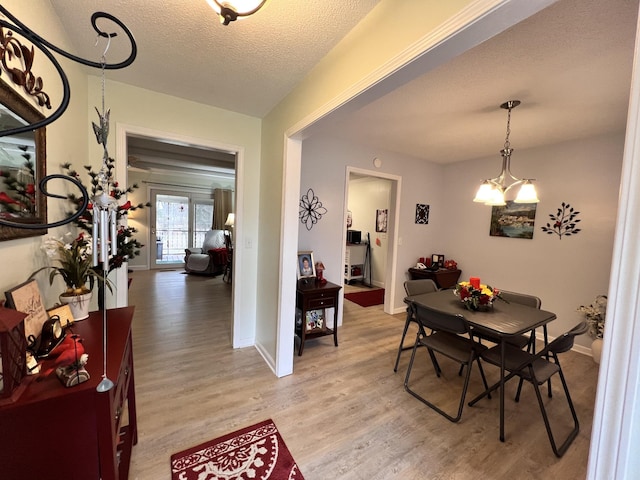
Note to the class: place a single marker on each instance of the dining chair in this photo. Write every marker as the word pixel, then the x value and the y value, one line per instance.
pixel 450 336
pixel 413 287
pixel 537 369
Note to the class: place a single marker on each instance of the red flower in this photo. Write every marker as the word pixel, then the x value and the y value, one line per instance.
pixel 4 198
pixel 30 189
pixel 464 293
pixel 90 206
pixel 126 206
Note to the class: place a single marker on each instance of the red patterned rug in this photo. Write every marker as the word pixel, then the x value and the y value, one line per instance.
pixel 252 453
pixel 367 298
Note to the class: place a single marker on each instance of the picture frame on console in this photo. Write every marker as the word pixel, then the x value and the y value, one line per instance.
pixel 306 265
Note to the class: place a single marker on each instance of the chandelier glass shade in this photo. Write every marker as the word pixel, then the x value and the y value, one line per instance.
pixel 493 190
pixel 232 10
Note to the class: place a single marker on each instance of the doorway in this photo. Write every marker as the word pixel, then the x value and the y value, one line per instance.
pixel 385 189
pixel 178 222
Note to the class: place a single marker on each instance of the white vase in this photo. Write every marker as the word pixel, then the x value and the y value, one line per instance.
pixel 79 304
pixel 596 350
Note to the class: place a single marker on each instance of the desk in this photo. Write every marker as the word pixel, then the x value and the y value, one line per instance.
pixel 312 295
pixel 503 320
pixel 444 278
pixel 76 433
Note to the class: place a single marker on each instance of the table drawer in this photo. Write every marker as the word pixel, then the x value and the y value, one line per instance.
pixel 321 302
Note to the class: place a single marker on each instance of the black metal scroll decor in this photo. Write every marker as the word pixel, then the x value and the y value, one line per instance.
pixel 12 51
pixel 311 209
pixel 564 222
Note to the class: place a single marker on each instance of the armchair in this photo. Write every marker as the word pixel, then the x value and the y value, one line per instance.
pixel 211 258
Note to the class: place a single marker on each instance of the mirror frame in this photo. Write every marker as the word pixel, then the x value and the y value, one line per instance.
pixel 21 107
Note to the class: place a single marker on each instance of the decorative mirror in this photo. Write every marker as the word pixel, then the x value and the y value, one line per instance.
pixel 22 166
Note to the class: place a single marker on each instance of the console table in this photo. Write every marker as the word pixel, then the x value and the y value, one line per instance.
pixel 76 433
pixel 313 295
pixel 444 278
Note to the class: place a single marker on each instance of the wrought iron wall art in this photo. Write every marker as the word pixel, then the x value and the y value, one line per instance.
pixel 16 62
pixel 311 209
pixel 564 222
pixel 422 214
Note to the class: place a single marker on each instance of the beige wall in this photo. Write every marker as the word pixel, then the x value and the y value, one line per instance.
pixel 66 142
pixel 171 117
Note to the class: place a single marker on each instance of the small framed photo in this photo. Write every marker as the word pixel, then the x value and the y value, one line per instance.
pixel 306 265
pixel 26 298
pixel 437 259
pixel 315 320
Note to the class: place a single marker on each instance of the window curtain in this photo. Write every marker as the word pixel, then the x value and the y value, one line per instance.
pixel 222 206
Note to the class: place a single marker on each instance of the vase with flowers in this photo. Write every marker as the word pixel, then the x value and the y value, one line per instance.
pixel 476 296
pixel 595 315
pixel 74 264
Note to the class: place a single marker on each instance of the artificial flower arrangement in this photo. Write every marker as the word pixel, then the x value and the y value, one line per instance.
pixel 595 314
pixel 475 297
pixel 75 263
pixel 127 245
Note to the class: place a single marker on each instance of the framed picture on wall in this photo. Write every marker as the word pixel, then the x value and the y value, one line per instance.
pixel 306 265
pixel 381 220
pixel 514 220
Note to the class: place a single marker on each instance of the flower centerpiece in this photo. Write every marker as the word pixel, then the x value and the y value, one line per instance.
pixel 595 315
pixel 476 297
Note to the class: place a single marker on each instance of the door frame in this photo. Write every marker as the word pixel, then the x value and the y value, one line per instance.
pixel 393 229
pixel 122 131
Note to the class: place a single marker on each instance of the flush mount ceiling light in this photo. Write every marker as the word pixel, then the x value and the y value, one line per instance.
pixel 231 10
pixel 493 190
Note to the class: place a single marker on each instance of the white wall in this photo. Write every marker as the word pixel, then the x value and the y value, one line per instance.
pixel 565 273
pixel 324 162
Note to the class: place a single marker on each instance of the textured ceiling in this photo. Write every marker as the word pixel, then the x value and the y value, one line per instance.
pixel 183 49
pixel 570 65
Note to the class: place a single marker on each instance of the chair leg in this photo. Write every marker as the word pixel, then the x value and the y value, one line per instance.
pixel 404 334
pixel 558 451
pixel 465 386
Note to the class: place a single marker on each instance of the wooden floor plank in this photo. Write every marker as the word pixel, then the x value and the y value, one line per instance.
pixel 343 413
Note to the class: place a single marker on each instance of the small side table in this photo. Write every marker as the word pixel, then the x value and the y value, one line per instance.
pixel 444 278
pixel 313 295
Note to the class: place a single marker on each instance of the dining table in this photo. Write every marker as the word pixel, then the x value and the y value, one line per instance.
pixel 502 319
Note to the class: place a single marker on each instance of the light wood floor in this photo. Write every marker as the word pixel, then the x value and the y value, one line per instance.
pixel 344 413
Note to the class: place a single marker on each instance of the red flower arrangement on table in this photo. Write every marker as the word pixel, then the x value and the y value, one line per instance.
pixel 475 296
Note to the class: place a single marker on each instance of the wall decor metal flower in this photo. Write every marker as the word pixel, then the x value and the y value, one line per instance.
pixel 564 222
pixel 311 209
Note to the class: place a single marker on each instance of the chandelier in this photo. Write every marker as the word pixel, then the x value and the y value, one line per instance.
pixel 231 10
pixel 493 190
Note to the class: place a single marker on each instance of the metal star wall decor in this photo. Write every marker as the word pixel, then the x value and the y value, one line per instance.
pixel 311 209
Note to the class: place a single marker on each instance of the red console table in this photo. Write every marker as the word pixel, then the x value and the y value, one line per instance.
pixel 76 433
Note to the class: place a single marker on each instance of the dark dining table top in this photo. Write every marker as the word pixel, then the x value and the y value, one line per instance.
pixel 503 319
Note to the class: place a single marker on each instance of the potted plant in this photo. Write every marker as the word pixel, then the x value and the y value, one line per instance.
pixel 74 258
pixel 595 315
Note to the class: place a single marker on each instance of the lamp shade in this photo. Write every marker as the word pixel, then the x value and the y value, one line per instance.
pixel 527 193
pixel 231 220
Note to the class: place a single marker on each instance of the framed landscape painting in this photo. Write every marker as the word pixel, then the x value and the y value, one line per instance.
pixel 514 220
